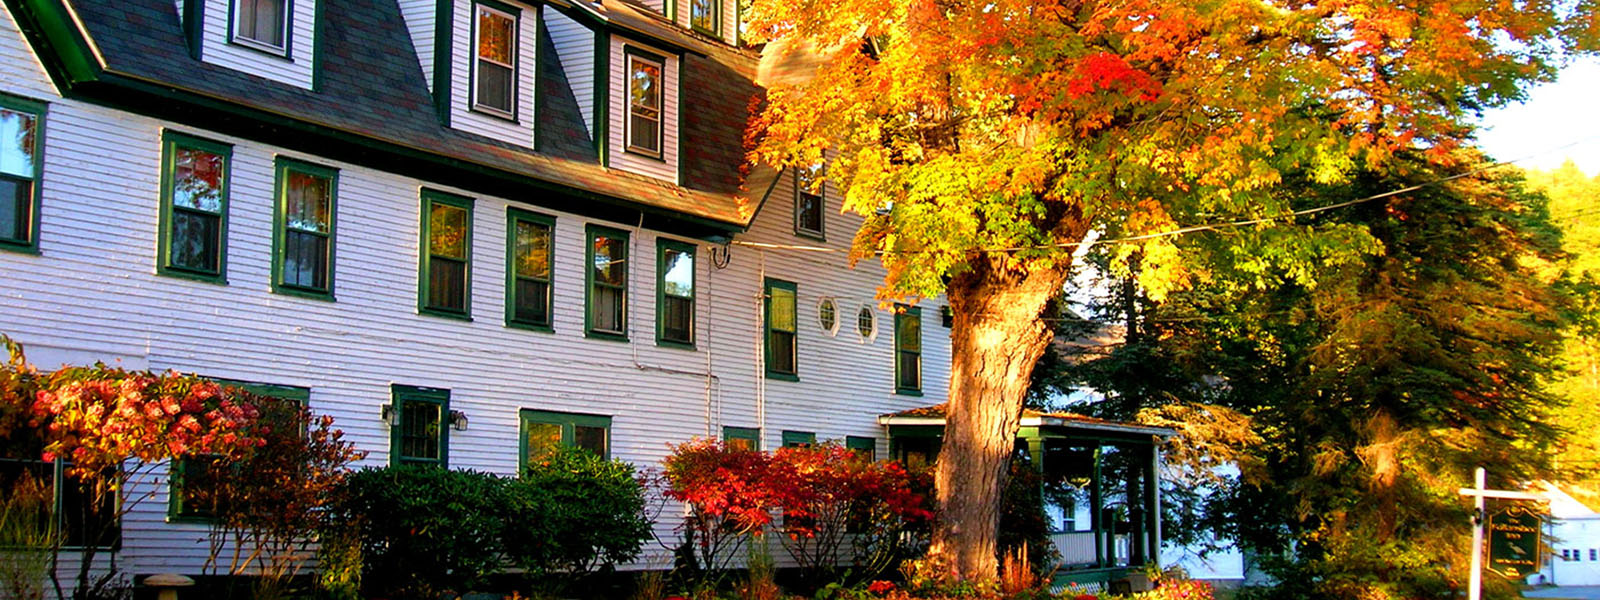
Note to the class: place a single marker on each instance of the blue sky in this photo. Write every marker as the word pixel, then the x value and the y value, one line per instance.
pixel 1558 121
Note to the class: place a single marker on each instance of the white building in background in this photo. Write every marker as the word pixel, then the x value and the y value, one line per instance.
pixel 448 244
pixel 1572 535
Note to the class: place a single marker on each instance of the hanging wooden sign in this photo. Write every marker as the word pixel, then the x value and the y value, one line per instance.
pixel 1514 540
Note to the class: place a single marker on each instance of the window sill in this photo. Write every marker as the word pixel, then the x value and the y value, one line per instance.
pixel 675 344
pixel 605 335
pixel 308 294
pixel 782 376
pixel 656 155
pixel 260 48
pixel 524 325
pixel 495 113
pixel 190 520
pixel 444 314
pixel 177 273
pixel 19 248
pixel 908 392
pixel 809 234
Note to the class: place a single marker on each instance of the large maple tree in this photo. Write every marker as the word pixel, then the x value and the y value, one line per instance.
pixel 984 140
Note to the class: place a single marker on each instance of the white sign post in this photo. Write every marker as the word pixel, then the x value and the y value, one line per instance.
pixel 1479 494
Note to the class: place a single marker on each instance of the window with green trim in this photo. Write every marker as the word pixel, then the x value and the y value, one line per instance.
pixel 864 447
pixel 191 477
pixel 27 479
pixel 645 89
pixel 445 275
pixel 742 438
pixel 262 24
pixel 908 349
pixel 705 16
pixel 304 228
pixel 780 329
pixel 531 256
pixel 799 439
pixel 194 207
pixel 21 170
pixel 494 71
pixel 607 282
pixel 543 431
pixel 675 293
pixel 418 431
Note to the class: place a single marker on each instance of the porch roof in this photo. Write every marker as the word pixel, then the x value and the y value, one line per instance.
pixel 934 415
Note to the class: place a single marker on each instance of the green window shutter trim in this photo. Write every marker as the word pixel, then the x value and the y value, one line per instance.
pixel 568 422
pixel 402 393
pixel 863 444
pixel 593 231
pixel 176 513
pixel 742 433
pixel 662 246
pixel 901 315
pixel 39 110
pixel 281 167
pixel 170 142
pixel 766 328
pixel 424 271
pixel 514 216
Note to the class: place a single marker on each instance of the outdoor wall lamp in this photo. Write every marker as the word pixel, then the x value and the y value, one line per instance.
pixel 458 420
pixel 388 415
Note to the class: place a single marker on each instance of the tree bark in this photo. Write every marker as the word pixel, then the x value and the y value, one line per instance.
pixel 996 339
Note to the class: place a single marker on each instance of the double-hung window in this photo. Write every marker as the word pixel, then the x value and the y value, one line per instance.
pixel 544 431
pixel 908 350
pixel 191 478
pixel 494 71
pixel 780 330
pixel 418 431
pixel 42 500
pixel 705 16
pixel 809 201
pixel 608 282
pixel 194 207
pixel 645 87
pixel 864 448
pixel 675 297
pixel 307 197
pixel 530 256
pixel 21 148
pixel 262 24
pixel 445 287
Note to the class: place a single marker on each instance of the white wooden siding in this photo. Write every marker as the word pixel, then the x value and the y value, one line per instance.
pixel 462 116
pixel 93 292
pixel 617 155
pixel 296 69
pixel 421 21
pixel 575 47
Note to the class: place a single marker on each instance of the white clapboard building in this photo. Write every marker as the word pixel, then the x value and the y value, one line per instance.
pixel 1572 540
pixel 469 217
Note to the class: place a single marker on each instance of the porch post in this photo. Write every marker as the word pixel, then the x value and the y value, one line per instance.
pixel 1153 502
pixel 1096 523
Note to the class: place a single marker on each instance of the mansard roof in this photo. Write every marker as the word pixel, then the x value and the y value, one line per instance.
pixel 371 106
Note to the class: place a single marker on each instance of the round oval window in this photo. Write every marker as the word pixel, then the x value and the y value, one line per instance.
pixel 866 322
pixel 828 315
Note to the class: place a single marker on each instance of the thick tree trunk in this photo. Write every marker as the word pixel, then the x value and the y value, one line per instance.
pixel 996 339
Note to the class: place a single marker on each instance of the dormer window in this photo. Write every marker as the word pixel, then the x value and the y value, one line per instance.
pixel 809 201
pixel 703 16
pixel 262 24
pixel 494 88
pixel 644 105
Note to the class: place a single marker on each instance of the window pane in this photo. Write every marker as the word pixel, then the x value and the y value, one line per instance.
pixel 592 439
pixel 644 133
pixel 677 319
pixel 17 142
pixel 541 439
pixel 305 259
pixel 783 310
pixel 864 322
pixel 608 309
pixel 910 370
pixel 308 200
pixel 194 240
pixel 197 179
pixel 828 314
pixel 447 283
pixel 909 335
pixel 782 351
pixel 744 444
pixel 262 21
pixel 419 430
pixel 533 250
pixel 496 41
pixel 532 301
pixel 646 87
pixel 810 212
pixel 702 14
pixel 678 279
pixel 495 86
pixel 608 260
pixel 16 209
pixel 447 231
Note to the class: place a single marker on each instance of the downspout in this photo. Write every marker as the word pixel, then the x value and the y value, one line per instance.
pixel 761 347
